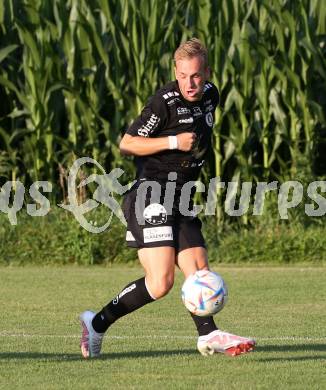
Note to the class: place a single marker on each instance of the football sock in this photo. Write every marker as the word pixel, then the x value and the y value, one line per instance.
pixel 204 325
pixel 132 297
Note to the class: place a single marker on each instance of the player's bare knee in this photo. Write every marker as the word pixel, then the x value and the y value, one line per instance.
pixel 160 286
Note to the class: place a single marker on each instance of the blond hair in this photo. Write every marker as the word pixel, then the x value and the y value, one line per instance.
pixel 190 49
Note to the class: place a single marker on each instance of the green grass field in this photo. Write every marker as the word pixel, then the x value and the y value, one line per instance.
pixel 155 348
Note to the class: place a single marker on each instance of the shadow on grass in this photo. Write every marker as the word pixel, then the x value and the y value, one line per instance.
pixel 61 357
pixel 292 359
pixel 105 356
pixel 292 348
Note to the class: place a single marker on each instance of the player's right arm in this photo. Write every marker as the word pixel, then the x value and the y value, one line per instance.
pixel 141 146
pixel 142 137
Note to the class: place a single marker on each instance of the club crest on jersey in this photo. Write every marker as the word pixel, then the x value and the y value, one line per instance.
pixel 209 119
pixel 155 214
pixel 197 111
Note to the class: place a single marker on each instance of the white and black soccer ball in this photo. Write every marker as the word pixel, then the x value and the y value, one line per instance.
pixel 204 293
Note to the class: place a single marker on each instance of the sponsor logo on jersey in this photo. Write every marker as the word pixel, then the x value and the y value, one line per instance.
pixel 124 292
pixel 150 126
pixel 173 101
pixel 161 233
pixel 197 111
pixel 155 214
pixel 209 119
pixel 209 108
pixel 183 111
pixel 170 94
pixel 186 120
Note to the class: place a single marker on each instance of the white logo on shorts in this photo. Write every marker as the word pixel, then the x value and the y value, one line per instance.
pixel 130 236
pixel 155 214
pixel 161 233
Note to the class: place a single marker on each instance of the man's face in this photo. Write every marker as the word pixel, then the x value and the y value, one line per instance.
pixel 191 75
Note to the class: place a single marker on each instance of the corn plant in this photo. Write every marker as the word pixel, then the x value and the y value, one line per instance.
pixel 73 74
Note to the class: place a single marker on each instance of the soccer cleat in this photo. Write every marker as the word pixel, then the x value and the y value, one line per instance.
pixel 223 342
pixel 91 341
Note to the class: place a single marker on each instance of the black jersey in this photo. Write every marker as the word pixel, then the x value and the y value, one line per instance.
pixel 168 113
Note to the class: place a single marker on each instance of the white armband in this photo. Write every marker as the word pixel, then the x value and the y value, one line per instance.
pixel 173 142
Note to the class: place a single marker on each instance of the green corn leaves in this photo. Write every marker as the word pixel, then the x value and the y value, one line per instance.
pixel 74 73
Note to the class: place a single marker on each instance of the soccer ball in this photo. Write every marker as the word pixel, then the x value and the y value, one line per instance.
pixel 204 293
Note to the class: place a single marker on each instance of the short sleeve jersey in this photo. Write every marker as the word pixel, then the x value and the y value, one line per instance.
pixel 168 113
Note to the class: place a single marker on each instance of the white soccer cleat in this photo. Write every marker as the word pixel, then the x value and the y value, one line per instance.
pixel 91 341
pixel 223 342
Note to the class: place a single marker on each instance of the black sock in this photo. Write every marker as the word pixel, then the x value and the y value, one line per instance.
pixel 132 297
pixel 204 325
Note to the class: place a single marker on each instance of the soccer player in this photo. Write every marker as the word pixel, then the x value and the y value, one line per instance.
pixel 170 140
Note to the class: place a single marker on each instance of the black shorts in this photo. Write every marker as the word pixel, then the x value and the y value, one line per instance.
pixel 150 226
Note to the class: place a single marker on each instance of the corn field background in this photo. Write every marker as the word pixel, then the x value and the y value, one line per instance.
pixel 74 73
